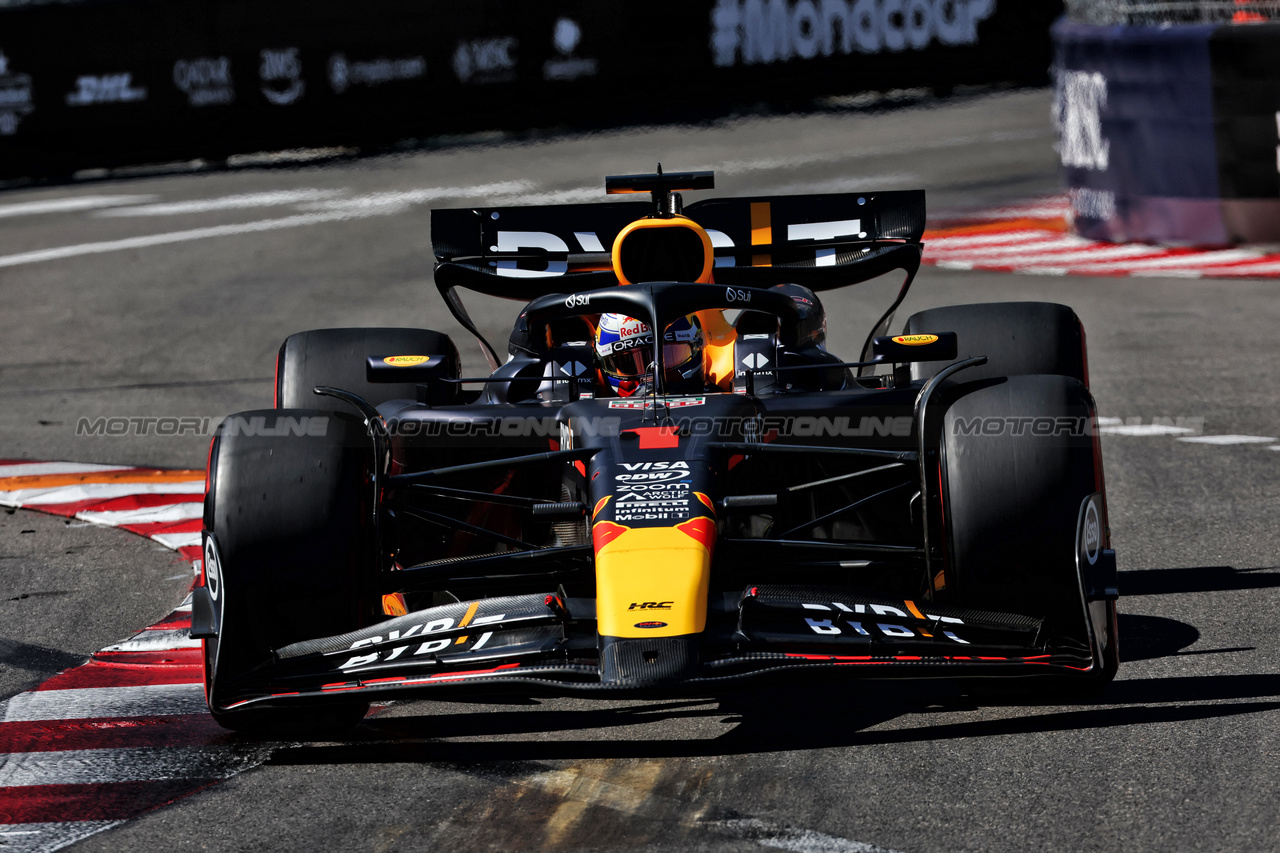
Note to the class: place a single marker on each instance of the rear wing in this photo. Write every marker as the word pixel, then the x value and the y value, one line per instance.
pixel 822 241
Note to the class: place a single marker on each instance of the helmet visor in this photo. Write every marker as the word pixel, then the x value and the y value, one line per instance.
pixel 676 354
pixel 638 361
pixel 629 363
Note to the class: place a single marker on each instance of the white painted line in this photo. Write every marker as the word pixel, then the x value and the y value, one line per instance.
pixel 229 202
pixel 1274 447
pixel 797 840
pixel 70 205
pixel 151 700
pixel 290 155
pixel 137 764
pixel 563 196
pixel 156 641
pixel 354 210
pixel 808 841
pixel 34 469
pixel 388 202
pixel 1144 429
pixel 1029 248
pixel 88 491
pixel 46 837
pixel 1186 260
pixel 147 515
pixel 1230 439
pixel 149 240
pixel 177 540
pixel 1103 253
pixel 1048 212
pixel 1043 270
pixel 1110 421
pixel 1032 256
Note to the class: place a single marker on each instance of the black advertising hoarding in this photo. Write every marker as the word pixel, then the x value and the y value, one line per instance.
pixel 826 47
pixel 94 78
pixel 137 81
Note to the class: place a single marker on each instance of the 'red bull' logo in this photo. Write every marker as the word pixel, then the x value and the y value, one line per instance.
pixel 604 532
pixel 701 529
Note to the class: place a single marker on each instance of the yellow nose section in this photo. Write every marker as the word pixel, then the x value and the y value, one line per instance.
pixel 652 582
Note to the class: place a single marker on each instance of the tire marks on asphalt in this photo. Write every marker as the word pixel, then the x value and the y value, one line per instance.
pixel 629 803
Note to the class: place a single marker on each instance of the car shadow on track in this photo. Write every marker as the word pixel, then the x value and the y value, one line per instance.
pixel 823 716
pixel 867 715
pixel 819 713
pixel 1196 579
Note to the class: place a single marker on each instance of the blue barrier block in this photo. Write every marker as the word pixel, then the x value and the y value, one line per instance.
pixel 1136 123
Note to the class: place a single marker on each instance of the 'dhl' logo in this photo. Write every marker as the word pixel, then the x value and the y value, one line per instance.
pixel 651 605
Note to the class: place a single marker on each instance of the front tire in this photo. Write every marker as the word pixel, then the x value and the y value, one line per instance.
pixel 1018 460
pixel 289 554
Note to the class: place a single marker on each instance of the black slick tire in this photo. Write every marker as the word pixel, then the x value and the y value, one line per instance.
pixel 289 554
pixel 337 357
pixel 1018 338
pixel 1018 460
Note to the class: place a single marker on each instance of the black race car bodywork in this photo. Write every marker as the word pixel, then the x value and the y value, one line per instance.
pixel 934 508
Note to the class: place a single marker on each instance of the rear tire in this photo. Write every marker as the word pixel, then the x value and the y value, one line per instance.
pixel 289 553
pixel 336 357
pixel 1012 497
pixel 1018 338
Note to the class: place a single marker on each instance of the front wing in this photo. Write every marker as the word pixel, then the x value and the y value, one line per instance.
pixel 542 644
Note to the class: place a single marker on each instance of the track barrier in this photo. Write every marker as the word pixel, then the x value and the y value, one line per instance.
pixel 111 83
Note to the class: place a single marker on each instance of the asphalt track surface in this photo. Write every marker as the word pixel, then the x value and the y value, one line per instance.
pixel 1181 753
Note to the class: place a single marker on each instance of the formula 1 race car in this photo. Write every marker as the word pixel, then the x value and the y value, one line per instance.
pixel 669 485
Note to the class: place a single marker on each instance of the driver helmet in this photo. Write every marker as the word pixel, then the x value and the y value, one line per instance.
pixel 624 348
